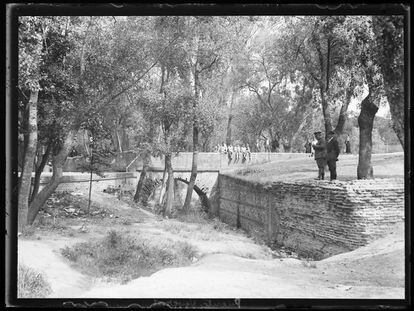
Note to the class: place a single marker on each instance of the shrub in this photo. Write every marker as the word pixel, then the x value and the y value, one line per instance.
pixel 123 257
pixel 28 231
pixel 31 283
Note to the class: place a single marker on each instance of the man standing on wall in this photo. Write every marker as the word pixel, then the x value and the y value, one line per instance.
pixel 320 154
pixel 332 153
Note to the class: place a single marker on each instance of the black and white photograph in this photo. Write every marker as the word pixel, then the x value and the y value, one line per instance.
pixel 180 159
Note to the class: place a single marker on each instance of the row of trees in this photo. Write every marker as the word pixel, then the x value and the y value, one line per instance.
pixel 161 84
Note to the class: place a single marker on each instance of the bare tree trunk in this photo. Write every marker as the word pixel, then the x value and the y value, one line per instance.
pixel 365 122
pixel 228 135
pixel 326 112
pixel 29 155
pixel 170 186
pixel 343 116
pixel 119 140
pixel 163 185
pixel 142 177
pixel 194 164
pixel 39 171
pixel 193 175
pixel 58 163
pixel 90 193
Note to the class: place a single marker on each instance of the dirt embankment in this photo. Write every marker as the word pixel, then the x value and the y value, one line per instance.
pixel 229 264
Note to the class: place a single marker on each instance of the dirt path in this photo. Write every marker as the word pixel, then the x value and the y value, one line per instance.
pixel 229 265
pixel 42 256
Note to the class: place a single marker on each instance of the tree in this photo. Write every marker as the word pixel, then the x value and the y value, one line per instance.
pixel 325 56
pixel 389 37
pixel 99 138
pixel 31 37
pixel 82 64
pixel 362 38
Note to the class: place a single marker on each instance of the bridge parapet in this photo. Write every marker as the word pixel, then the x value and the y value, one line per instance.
pixel 209 161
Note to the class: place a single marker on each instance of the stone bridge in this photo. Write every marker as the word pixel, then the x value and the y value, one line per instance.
pixel 206 184
pixel 210 165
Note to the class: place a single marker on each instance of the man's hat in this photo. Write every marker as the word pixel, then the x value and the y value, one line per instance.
pixel 318 132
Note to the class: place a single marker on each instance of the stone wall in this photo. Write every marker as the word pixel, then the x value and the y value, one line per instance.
pixel 212 161
pixel 315 218
pixel 80 181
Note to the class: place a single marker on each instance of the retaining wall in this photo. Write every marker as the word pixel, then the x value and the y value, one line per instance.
pixel 317 219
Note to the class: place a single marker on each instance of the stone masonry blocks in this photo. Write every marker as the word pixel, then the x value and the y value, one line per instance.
pixel 316 218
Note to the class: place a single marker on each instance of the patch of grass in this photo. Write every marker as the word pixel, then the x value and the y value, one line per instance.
pixel 175 227
pixel 31 283
pixel 122 257
pixel 193 216
pixel 196 227
pixel 249 171
pixel 28 231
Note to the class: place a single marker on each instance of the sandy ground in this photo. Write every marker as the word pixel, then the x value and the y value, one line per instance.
pixel 229 265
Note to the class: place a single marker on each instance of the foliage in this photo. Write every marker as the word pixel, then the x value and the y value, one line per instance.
pixel 31 283
pixel 123 257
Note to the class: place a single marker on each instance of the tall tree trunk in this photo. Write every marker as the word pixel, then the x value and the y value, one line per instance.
pixel 228 131
pixel 39 171
pixel 142 176
pixel 343 115
pixel 58 162
pixel 193 175
pixel 119 141
pixel 326 110
pixel 29 155
pixel 163 184
pixel 90 192
pixel 365 122
pixel 194 163
pixel 170 186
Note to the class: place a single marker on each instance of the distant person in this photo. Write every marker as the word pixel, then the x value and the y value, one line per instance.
pixel 332 153
pixel 248 152
pixel 308 146
pixel 347 145
pixel 230 153
pixel 243 153
pixel 223 148
pixel 320 154
pixel 236 150
pixel 218 148
pixel 267 145
pixel 314 141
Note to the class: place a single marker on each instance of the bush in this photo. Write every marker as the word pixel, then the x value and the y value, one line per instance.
pixel 124 257
pixel 31 283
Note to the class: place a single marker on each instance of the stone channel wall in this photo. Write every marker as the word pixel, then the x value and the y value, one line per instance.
pixel 317 219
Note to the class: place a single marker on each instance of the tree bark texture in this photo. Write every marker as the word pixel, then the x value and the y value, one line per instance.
pixel 327 117
pixel 365 123
pixel 28 162
pixel 58 162
pixel 228 130
pixel 170 186
pixel 39 171
pixel 194 164
pixel 343 116
pixel 193 176
pixel 163 184
pixel 142 177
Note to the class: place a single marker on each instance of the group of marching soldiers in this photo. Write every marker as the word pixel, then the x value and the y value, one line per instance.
pixel 237 152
